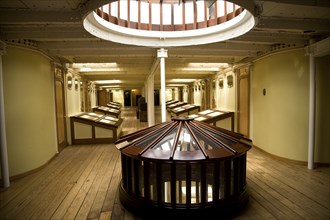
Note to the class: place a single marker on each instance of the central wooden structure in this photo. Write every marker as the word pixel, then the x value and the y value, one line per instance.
pixel 183 168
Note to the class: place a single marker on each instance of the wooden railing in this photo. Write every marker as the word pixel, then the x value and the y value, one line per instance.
pixel 211 20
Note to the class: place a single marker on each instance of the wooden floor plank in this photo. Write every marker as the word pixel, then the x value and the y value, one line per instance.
pixel 87 182
pixel 91 195
pixel 68 201
pixel 82 182
pixel 33 189
pixel 96 208
pixel 105 215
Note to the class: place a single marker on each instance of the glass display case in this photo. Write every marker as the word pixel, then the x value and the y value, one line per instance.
pixel 107 111
pixel 95 128
pixel 115 103
pixel 222 119
pixel 184 110
pixel 175 105
pixel 171 102
pixel 183 169
pixel 115 106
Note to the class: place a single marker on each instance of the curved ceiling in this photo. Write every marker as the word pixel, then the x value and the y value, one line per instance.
pixel 56 27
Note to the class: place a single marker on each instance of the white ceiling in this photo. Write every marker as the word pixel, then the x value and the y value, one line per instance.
pixel 55 26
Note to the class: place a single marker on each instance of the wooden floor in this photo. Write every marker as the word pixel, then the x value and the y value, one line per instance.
pixel 82 182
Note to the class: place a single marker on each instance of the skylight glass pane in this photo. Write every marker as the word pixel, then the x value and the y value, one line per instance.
pixel 200 11
pixel 221 8
pixel 155 7
pixel 114 9
pixel 189 11
pixel 178 13
pixel 105 8
pixel 145 14
pixel 134 11
pixel 123 10
pixel 230 7
pixel 167 143
pixel 167 15
pixel 186 142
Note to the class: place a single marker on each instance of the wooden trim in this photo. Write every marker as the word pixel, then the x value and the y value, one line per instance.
pixel 171 27
pixel 161 16
pixel 139 14
pixel 205 14
pixel 184 16
pixel 128 13
pixel 195 15
pixel 150 15
pixel 172 17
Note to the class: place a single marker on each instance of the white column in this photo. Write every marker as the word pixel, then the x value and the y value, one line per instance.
pixel 3 148
pixel 162 54
pixel 311 131
pixel 150 102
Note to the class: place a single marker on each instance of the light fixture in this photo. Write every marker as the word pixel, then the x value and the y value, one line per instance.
pixel 107 69
pixel 113 81
pixel 182 80
pixel 93 65
pixel 215 69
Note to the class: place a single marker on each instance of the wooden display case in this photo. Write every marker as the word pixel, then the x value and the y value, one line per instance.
pixel 184 110
pixel 113 106
pixel 94 128
pixel 175 105
pixel 115 103
pixel 107 111
pixel 171 102
pixel 222 119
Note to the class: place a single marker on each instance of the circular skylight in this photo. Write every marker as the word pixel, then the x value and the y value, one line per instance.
pixel 168 23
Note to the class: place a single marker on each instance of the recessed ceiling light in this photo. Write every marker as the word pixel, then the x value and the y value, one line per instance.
pixel 107 81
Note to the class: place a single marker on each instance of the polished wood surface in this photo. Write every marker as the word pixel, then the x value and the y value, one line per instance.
pixel 82 183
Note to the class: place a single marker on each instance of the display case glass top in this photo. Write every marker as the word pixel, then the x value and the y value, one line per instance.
pixel 99 118
pixel 177 104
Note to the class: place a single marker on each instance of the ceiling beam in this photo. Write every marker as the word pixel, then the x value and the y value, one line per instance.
pixel 319 25
pixel 40 17
pixel 319 3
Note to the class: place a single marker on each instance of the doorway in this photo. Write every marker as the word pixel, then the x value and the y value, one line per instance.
pixel 60 110
pixel 243 107
pixel 127 98
pixel 156 97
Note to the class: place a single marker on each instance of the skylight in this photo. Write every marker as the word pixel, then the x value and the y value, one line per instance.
pixel 168 23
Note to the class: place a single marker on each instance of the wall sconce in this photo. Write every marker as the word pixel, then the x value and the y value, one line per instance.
pixel 69 81
pixel 76 84
pixel 230 81
pixel 221 82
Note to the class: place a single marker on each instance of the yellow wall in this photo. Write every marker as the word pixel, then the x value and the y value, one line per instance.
pixel 322 115
pixel 29 109
pixel 118 96
pixel 280 118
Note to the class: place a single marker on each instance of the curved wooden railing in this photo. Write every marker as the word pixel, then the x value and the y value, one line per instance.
pixel 213 19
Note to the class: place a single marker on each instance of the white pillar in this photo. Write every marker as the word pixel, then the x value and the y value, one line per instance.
pixel 162 54
pixel 311 131
pixel 3 147
pixel 150 100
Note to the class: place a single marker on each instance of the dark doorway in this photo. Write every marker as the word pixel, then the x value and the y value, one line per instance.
pixel 137 99
pixel 156 97
pixel 127 98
